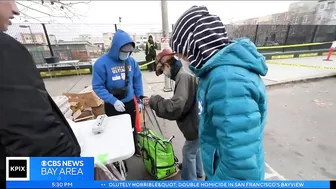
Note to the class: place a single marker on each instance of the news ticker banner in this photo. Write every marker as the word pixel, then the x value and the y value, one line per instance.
pixel 49 168
pixel 169 184
pixel 78 172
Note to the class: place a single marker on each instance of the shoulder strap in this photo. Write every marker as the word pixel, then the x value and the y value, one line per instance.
pixel 126 73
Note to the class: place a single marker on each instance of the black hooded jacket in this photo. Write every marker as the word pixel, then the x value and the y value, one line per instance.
pixel 31 124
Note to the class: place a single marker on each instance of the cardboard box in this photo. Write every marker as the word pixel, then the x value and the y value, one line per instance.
pixel 85 99
pixel 97 111
pixel 86 114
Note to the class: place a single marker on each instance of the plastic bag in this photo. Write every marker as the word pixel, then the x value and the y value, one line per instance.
pixel 107 172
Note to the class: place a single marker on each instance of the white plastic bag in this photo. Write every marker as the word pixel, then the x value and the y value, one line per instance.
pixel 107 172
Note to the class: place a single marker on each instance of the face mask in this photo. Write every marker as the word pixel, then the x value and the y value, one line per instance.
pixel 123 55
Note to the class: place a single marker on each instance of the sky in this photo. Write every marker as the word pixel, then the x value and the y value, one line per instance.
pixel 136 16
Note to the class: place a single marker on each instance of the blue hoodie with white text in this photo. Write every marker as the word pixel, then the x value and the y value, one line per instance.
pixel 109 72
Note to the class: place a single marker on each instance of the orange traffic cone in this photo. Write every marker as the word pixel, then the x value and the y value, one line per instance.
pixel 137 117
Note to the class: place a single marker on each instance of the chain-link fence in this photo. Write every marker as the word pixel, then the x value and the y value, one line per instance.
pixel 88 41
pixel 270 35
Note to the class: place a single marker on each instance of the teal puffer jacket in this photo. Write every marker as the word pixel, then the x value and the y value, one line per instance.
pixel 233 105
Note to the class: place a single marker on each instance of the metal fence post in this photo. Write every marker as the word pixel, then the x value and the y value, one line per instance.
pixel 115 27
pixel 48 40
pixel 256 34
pixel 165 30
pixel 287 34
pixel 314 33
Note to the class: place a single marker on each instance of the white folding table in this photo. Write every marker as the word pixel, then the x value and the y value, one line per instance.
pixel 116 141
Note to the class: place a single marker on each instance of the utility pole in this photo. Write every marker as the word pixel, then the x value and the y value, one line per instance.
pixel 165 30
pixel 119 22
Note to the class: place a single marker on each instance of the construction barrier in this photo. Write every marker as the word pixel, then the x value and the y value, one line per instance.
pixel 302 54
pixel 64 72
pixel 312 49
pixel 302 65
pixel 333 46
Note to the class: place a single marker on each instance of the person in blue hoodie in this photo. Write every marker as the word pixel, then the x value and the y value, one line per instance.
pixel 117 79
pixel 231 95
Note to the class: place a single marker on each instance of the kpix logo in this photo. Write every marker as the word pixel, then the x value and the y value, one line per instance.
pixel 17 168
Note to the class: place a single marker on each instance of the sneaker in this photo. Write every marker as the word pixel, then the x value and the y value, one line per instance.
pixel 179 166
pixel 200 177
pixel 137 153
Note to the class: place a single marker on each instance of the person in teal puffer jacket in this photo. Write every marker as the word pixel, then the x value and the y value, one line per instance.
pixel 231 95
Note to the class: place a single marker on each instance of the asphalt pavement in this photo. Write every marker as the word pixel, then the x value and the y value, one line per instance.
pixel 300 133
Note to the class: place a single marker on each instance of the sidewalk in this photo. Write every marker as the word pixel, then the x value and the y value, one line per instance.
pixel 293 69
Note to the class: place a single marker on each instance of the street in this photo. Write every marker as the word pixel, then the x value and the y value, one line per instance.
pixel 300 133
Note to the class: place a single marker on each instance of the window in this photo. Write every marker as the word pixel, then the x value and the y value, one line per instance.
pixel 287 17
pixel 331 5
pixel 296 20
pixel 110 38
pixel 305 19
pixel 322 6
pixel 276 18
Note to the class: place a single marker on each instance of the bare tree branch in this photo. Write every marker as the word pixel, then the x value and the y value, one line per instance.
pixel 51 9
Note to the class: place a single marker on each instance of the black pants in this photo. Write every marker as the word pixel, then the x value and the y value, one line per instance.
pixel 129 109
pixel 151 67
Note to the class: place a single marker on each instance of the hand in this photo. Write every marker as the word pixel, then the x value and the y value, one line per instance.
pixel 119 106
pixel 140 107
pixel 145 100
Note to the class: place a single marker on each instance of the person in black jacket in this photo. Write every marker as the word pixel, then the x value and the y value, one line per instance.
pixel 31 124
pixel 150 52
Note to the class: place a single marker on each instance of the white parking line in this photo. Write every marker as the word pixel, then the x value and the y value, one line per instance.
pixel 270 176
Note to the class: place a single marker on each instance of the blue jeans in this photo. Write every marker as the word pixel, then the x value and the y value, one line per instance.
pixel 192 166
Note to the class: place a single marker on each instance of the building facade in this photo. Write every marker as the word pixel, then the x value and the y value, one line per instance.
pixel 37 38
pixel 326 13
pixel 107 39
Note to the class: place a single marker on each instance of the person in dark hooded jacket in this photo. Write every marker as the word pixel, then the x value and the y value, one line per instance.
pixel 117 78
pixel 150 52
pixel 182 108
pixel 31 123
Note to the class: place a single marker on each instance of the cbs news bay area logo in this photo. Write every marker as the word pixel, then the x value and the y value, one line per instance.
pixel 17 168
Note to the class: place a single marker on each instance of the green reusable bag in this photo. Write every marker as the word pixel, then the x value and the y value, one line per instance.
pixel 157 154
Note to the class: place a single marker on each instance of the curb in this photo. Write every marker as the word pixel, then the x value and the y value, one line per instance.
pixel 301 80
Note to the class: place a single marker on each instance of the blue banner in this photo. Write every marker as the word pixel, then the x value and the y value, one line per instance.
pixel 61 169
pixel 169 184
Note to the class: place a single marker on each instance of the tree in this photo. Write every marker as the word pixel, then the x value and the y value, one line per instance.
pixel 50 11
